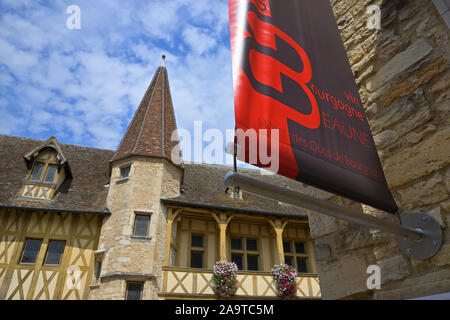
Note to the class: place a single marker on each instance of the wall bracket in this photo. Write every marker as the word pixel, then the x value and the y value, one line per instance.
pixel 431 242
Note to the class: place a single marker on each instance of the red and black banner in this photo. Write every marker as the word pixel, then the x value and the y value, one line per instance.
pixel 291 73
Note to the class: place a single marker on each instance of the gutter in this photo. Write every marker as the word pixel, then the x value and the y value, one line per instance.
pixel 118 274
pixel 102 213
pixel 207 206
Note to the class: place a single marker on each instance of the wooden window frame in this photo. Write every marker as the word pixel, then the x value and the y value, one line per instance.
pixel 32 170
pixel 246 252
pixel 46 253
pixel 23 251
pixel 294 255
pixel 142 290
pixel 44 172
pixel 197 249
pixel 48 164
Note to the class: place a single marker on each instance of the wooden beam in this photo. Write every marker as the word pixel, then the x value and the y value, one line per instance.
pixel 188 209
pixel 222 220
pixel 278 226
pixel 171 215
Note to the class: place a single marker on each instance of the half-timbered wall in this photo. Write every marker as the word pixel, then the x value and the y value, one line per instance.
pixel 181 281
pixel 240 227
pixel 294 232
pixel 260 231
pixel 188 226
pixel 68 281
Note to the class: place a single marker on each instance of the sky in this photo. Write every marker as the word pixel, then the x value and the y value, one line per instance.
pixel 84 85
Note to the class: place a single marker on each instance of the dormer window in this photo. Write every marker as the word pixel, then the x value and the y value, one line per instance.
pixel 48 169
pixel 234 193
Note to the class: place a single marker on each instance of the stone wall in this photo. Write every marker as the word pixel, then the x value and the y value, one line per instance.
pixel 402 71
pixel 127 257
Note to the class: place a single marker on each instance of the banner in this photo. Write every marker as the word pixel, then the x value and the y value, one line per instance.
pixel 295 94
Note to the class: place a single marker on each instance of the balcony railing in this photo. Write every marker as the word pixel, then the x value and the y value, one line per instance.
pixel 187 283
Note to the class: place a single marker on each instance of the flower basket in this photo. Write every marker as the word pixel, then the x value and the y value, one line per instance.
pixel 284 278
pixel 224 279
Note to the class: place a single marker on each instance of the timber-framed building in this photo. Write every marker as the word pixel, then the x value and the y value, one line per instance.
pixel 84 223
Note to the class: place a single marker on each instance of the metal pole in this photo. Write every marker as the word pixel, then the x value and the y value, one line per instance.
pixel 270 191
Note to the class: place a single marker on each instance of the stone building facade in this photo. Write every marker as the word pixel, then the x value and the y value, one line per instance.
pixel 402 71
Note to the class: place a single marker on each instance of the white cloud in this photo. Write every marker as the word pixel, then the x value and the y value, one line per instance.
pixel 17 60
pixel 16 3
pixel 199 40
pixel 160 18
pixel 84 85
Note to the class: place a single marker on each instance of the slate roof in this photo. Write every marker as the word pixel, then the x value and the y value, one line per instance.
pixel 203 186
pixel 150 130
pixel 85 192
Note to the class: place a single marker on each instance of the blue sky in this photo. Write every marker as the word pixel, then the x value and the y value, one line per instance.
pixel 83 86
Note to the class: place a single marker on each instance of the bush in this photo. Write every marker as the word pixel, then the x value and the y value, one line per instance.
pixel 225 283
pixel 284 278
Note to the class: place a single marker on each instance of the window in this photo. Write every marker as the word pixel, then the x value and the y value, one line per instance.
pixel 31 250
pixel 234 193
pixel 44 172
pixel 196 259
pixel 197 240
pixel 287 247
pixel 134 290
pixel 125 172
pixel 141 225
pixel 245 253
pixel 300 247
pixel 252 244
pixel 54 252
pixel 289 261
pixel 252 262
pixel 302 265
pixel 238 258
pixel 98 265
pixel 51 173
pixel 37 171
pixel 197 250
pixel 295 255
pixel 97 269
pixel 236 244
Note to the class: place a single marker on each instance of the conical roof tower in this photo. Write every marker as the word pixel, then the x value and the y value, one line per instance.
pixel 149 133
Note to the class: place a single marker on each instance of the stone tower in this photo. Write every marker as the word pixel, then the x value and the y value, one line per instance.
pixel 132 241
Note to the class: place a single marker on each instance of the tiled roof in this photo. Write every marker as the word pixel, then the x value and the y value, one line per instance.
pixel 150 130
pixel 85 192
pixel 203 186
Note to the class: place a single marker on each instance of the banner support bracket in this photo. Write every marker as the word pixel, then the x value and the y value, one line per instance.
pixel 419 237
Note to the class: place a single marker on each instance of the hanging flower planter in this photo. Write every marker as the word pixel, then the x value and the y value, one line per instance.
pixel 284 278
pixel 224 278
